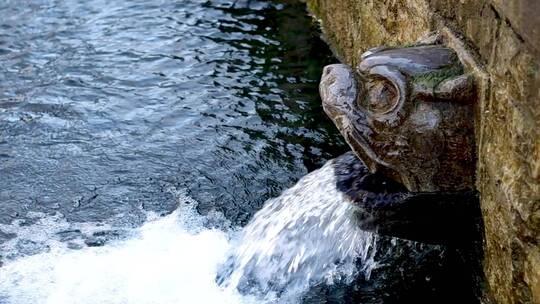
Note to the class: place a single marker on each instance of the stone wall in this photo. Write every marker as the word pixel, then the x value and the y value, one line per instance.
pixel 504 39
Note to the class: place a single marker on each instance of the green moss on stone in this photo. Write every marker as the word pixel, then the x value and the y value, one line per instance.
pixel 433 79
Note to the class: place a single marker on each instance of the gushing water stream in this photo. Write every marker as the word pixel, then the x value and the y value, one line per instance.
pixel 303 238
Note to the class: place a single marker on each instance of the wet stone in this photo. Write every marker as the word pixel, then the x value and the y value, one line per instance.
pixel 397 105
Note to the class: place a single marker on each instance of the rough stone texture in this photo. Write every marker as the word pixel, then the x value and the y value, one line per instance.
pixel 504 36
pixel 406 113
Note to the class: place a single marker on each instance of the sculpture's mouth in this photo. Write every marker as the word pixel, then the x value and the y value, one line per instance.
pixel 357 135
pixel 360 142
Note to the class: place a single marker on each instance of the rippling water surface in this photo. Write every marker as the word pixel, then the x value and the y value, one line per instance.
pixel 106 104
pixel 302 239
pixel 136 137
pixel 115 112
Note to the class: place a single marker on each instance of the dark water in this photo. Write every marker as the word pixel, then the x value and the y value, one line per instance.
pixel 106 104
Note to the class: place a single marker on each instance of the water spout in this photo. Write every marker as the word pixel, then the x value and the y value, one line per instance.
pixel 306 236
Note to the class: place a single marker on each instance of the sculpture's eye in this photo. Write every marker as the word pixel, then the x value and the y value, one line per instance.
pixel 382 96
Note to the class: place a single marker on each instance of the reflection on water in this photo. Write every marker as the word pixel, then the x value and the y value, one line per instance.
pixel 105 104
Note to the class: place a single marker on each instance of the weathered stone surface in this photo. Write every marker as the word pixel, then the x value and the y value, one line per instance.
pixel 406 113
pixel 503 37
pixel 353 26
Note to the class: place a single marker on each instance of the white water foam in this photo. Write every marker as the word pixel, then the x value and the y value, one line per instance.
pixel 169 260
pixel 302 238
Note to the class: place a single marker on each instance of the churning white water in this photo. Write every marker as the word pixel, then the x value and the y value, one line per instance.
pixel 304 237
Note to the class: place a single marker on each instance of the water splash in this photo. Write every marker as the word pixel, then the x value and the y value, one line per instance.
pixel 172 259
pixel 304 237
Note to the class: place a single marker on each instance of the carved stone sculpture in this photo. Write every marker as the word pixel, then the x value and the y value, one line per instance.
pixel 407 114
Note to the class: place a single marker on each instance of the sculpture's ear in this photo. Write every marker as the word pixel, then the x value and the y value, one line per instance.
pixel 387 91
pixel 459 89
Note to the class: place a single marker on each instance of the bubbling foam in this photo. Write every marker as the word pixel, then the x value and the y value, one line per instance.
pixel 173 259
